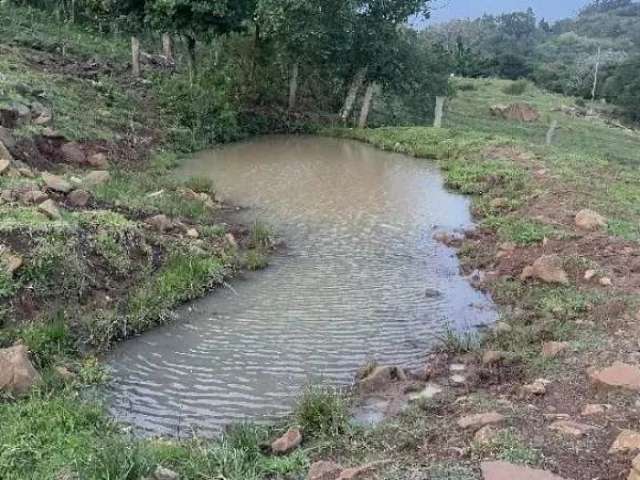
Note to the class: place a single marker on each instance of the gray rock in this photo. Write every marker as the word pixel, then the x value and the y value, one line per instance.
pixel 73 153
pixel 162 473
pixel 56 183
pixel 7 138
pixel 97 177
pixel 50 209
pixel 17 375
pixel 78 198
pixel 14 115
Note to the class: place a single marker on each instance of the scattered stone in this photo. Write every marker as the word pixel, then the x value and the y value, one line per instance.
pixel 548 268
pixel 98 160
pixel 627 441
pixel 192 233
pixel 73 153
pixel 479 420
pixel 508 471
pixel 4 165
pixel 457 378
pixel 635 469
pixel 14 115
pixel 619 375
pixel 50 209
pixel 539 387
pixel 432 293
pixel 595 409
pixel 7 138
pixel 97 177
pixel 520 112
pixel 56 183
pixel 429 392
pixel 590 274
pixel 553 349
pixel 381 377
pixel 448 239
pixel 41 115
pixel 359 473
pixel 288 442
pixel 502 327
pixel 26 172
pixel 10 262
pixel 485 435
pixel 17 375
pixel 590 220
pixel 500 202
pixel 32 197
pixel 78 198
pixel 605 282
pixel 457 367
pixel 324 470
pixel 492 357
pixel 162 473
pixel 161 223
pixel 189 194
pixel 231 240
pixel 568 427
pixel 64 373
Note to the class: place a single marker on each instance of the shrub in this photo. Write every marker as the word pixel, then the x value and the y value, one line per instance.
pixel 321 411
pixel 516 88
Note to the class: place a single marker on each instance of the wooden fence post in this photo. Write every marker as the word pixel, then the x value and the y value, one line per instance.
pixel 135 56
pixel 551 132
pixel 437 122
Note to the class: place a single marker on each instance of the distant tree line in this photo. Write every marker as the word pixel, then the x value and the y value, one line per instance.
pixel 562 57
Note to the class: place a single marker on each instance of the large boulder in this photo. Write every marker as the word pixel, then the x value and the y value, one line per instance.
pixel 548 268
pixel 73 153
pixel 618 375
pixel 78 198
pixel 520 112
pixel 17 375
pixel 98 160
pixel 50 209
pixel 626 441
pixel 7 138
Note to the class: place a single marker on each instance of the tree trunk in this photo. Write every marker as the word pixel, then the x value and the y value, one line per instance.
pixel 293 86
pixel 372 89
pixel 191 47
pixel 349 102
pixel 439 112
pixel 167 47
pixel 135 56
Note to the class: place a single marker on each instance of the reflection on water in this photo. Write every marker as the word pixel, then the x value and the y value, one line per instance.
pixel 350 288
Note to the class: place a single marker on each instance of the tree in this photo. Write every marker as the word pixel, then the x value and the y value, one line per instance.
pixel 197 19
pixel 623 87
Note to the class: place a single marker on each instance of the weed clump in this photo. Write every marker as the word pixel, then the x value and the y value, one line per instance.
pixel 519 87
pixel 321 412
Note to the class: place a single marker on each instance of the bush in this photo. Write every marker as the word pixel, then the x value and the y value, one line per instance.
pixel 321 411
pixel 516 88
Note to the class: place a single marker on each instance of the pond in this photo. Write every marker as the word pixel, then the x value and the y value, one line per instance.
pixel 361 279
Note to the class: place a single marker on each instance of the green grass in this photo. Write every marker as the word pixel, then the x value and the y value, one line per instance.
pixel 321 412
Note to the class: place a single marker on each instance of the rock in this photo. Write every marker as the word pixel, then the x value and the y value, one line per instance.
pixel 508 471
pixel 288 442
pixel 160 223
pixel 448 239
pixel 548 268
pixel 605 282
pixel 485 435
pixel 192 233
pixel 619 375
pixel 589 274
pixel 502 327
pixel 492 357
pixel 590 220
pixel 429 392
pixel 189 194
pixel 56 183
pixel 595 409
pixel 10 262
pixel 73 153
pixel 4 165
pixel 366 472
pixel 479 420
pixel 231 240
pixel 50 209
pixel 553 349
pixel 7 139
pixel 635 469
pixel 324 470
pixel 521 112
pixel 457 378
pixel 26 172
pixel 568 427
pixel 98 160
pixel 539 387
pixel 41 115
pixel 14 115
pixel 64 373
pixel 500 202
pixel 162 473
pixel 78 198
pixel 97 177
pixel 32 197
pixel 17 375
pixel 380 378
pixel 627 441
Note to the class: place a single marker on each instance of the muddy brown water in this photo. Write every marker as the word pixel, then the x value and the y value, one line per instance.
pixel 350 287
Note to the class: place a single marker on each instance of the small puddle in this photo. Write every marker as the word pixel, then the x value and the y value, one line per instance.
pixel 362 279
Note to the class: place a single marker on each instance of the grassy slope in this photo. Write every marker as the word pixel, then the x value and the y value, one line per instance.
pixel 540 189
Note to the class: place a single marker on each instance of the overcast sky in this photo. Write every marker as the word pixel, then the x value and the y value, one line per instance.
pixel 444 10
